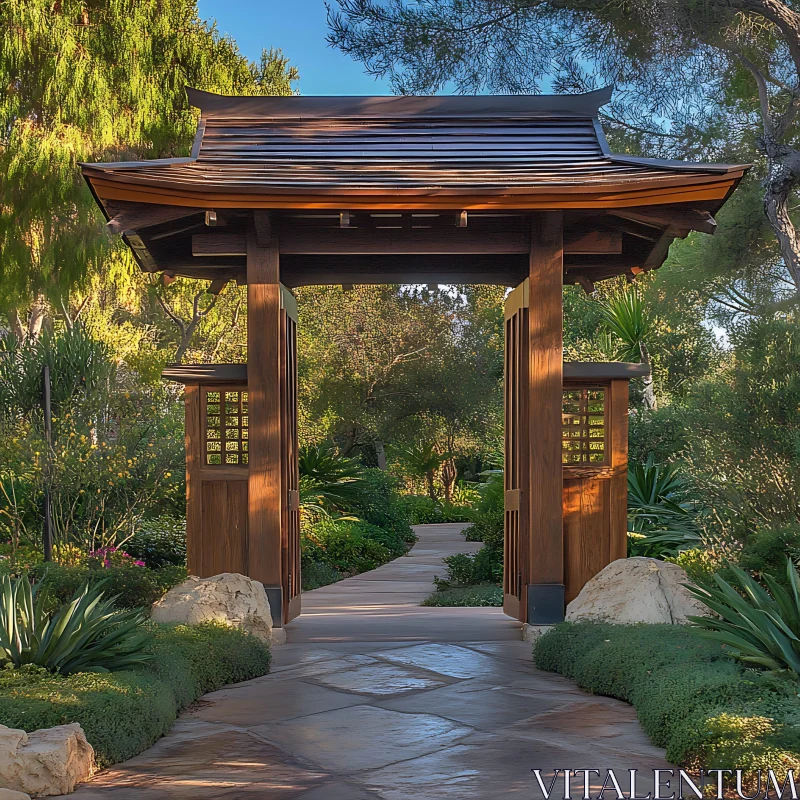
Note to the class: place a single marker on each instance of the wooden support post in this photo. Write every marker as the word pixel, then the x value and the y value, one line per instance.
pixel 618 523
pixel 194 456
pixel 263 386
pixel 545 596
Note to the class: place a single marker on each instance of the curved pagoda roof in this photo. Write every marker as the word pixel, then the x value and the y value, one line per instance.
pixel 480 154
pixel 536 151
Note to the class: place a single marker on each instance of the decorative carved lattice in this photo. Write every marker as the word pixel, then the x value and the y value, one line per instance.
pixel 584 426
pixel 226 428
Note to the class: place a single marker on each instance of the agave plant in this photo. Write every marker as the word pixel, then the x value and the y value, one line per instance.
pixel 661 520
pixel 763 627
pixel 87 634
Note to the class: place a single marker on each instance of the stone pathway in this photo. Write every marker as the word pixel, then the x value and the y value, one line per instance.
pixel 375 697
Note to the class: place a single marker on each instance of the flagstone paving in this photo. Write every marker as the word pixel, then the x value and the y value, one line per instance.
pixel 375 697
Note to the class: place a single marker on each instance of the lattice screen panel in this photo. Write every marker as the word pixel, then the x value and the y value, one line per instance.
pixel 226 428
pixel 584 426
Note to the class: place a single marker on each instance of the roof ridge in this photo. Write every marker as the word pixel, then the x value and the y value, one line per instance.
pixel 587 104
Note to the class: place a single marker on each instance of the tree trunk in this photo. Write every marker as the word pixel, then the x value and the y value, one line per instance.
pixel 380 454
pixel 783 172
pixel 650 402
pixel 449 474
pixel 431 485
pixel 37 317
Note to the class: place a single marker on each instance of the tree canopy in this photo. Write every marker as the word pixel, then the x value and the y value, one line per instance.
pixel 712 80
pixel 95 81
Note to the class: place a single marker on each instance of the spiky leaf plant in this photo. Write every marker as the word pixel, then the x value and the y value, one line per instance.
pixel 87 634
pixel 661 520
pixel 761 628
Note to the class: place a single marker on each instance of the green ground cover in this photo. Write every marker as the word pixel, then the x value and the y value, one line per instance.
pixel 123 713
pixel 484 594
pixel 691 698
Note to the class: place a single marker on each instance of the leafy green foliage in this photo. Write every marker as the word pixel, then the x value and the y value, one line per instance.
pixel 347 546
pixel 422 510
pixel 690 697
pixel 329 479
pixel 131 586
pixel 124 713
pixel 470 569
pixel 159 541
pixel 661 520
pixel 380 503
pixel 486 594
pixel 763 627
pixel 627 318
pixel 316 574
pixel 87 634
pixel 80 367
pixel 97 81
pixel 116 452
pixel 391 365
pixel 766 550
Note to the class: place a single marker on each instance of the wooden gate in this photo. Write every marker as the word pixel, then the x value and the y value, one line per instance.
pixel 516 539
pixel 218 466
pixel 290 512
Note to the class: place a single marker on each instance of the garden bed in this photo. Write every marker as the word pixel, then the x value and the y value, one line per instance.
pixel 123 713
pixel 691 698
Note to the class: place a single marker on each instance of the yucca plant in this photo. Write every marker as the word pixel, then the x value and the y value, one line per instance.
pixel 661 520
pixel 626 317
pixel 761 628
pixel 87 634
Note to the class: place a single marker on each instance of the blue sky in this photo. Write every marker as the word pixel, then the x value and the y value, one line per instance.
pixel 298 27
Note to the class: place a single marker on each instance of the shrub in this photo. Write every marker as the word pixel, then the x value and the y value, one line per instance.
pixel 159 542
pixel 691 698
pixel 469 569
pixel 135 587
pixel 485 594
pixel 84 635
pixel 766 551
pixel 487 527
pixel 123 713
pixel 380 503
pixel 344 545
pixel 421 509
pixel 316 574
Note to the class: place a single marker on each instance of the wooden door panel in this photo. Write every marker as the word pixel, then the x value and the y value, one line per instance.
pixel 515 525
pixel 223 536
pixel 290 511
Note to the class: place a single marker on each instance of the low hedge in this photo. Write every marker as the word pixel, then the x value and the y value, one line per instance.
pixel 135 587
pixel 123 713
pixel 691 698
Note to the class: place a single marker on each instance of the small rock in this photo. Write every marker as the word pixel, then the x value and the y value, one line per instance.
pixel 47 762
pixel 230 598
pixel 637 590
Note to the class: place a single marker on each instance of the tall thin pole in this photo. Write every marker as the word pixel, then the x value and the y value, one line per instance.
pixel 47 537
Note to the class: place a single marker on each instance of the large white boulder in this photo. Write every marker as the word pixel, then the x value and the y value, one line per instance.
pixel 230 598
pixel 47 762
pixel 10 794
pixel 637 590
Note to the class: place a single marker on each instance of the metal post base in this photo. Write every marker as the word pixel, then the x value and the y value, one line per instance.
pixel 275 600
pixel 545 603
